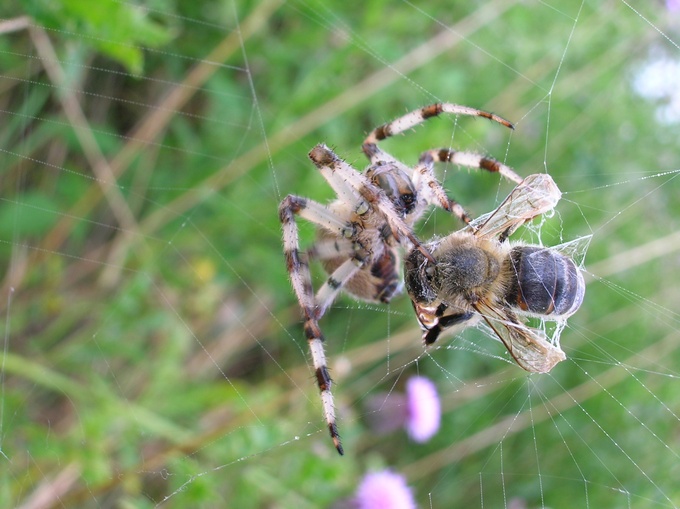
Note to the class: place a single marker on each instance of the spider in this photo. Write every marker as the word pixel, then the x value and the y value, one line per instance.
pixel 359 234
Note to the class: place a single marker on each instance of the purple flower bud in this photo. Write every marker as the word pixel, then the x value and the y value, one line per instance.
pixel 384 490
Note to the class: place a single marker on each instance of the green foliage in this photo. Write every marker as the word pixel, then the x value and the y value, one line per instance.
pixel 153 354
pixel 115 29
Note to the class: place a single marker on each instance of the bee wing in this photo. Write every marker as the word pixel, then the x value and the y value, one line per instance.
pixel 535 195
pixel 528 346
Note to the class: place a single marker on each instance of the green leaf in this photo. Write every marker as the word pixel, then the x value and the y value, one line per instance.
pixel 118 30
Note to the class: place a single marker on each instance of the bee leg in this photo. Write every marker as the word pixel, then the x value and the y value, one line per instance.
pixel 444 322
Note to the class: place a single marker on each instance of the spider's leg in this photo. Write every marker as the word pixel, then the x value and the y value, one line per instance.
pixel 338 170
pixel 315 339
pixel 318 214
pixel 324 297
pixel 424 178
pixel 419 116
pixel 297 264
pixel 328 248
pixel 469 160
pixel 375 154
pixel 326 160
pixel 329 290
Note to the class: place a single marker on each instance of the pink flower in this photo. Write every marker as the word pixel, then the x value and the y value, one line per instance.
pixel 417 410
pixel 384 490
pixel 423 409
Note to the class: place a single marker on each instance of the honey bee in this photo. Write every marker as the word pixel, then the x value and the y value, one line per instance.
pixel 479 275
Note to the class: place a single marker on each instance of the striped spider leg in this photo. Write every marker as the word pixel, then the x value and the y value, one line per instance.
pixel 360 233
pixel 423 175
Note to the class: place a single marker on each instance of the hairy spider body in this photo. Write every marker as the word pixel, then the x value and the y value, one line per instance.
pixel 378 282
pixel 361 233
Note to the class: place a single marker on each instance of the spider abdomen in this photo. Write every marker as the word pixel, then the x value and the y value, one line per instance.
pixel 377 281
pixel 545 282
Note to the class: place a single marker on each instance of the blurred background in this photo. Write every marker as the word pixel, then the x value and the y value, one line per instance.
pixel 152 350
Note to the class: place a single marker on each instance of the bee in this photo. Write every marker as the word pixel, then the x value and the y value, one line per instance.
pixel 479 275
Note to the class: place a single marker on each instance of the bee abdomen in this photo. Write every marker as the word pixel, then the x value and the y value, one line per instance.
pixel 545 282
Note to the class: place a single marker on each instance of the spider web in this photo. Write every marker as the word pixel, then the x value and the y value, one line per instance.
pixel 152 353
